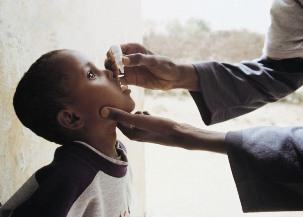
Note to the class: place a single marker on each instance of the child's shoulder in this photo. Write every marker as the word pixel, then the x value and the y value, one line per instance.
pixel 68 167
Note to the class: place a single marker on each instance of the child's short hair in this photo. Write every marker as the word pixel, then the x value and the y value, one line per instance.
pixel 40 95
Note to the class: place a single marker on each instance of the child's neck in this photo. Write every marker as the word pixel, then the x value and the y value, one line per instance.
pixel 105 142
pixel 107 145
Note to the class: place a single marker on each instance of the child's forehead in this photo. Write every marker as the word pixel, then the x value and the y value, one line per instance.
pixel 73 55
pixel 72 59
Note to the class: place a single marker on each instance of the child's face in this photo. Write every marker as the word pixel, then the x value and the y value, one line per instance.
pixel 91 89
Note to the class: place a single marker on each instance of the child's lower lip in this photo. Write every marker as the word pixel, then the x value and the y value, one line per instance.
pixel 127 91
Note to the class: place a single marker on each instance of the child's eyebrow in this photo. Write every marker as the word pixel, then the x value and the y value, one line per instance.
pixel 87 65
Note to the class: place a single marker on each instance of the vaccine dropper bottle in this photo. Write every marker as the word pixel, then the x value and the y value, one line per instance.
pixel 117 52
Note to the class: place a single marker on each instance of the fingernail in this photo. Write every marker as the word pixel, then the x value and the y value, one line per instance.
pixel 105 112
pixel 125 60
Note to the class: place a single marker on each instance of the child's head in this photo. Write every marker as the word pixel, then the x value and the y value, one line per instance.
pixel 62 93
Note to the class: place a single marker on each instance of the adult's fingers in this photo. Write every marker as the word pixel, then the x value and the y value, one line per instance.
pixel 122 116
pixel 141 121
pixel 126 129
pixel 111 65
pixel 134 133
pixel 137 59
pixel 132 48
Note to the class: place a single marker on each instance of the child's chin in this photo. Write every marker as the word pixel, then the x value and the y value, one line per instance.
pixel 131 108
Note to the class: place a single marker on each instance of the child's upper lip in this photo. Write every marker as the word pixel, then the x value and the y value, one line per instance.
pixel 122 87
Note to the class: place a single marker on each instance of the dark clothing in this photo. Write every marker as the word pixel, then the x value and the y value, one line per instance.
pixel 228 91
pixel 267 166
pixel 79 182
pixel 266 162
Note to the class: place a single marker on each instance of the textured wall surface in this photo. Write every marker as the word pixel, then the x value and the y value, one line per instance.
pixel 30 28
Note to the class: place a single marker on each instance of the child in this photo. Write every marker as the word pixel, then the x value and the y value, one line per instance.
pixel 60 99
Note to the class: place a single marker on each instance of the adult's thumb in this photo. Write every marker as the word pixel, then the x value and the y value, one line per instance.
pixel 105 112
pixel 136 59
pixel 114 114
pixel 120 116
pixel 126 60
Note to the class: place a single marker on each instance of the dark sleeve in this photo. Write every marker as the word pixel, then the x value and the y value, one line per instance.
pixel 228 91
pixel 267 166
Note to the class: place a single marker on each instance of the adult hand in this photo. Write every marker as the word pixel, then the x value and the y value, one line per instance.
pixel 146 69
pixel 146 128
pixel 143 127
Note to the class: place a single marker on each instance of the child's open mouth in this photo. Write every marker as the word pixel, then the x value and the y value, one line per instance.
pixel 124 88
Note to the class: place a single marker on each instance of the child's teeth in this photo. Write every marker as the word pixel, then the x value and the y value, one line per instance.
pixel 124 88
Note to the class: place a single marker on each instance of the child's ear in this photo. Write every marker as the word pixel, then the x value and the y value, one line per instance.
pixel 70 119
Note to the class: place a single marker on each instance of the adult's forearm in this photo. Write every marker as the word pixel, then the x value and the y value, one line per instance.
pixel 192 138
pixel 187 78
pixel 231 90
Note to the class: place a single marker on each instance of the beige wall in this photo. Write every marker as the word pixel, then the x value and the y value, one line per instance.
pixel 27 30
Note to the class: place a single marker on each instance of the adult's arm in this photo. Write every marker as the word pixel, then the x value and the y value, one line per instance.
pixel 267 166
pixel 147 128
pixel 221 91
pixel 266 162
pixel 231 90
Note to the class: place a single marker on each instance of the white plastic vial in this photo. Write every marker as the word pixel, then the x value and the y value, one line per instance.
pixel 117 52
